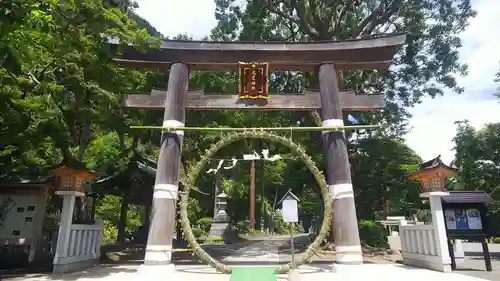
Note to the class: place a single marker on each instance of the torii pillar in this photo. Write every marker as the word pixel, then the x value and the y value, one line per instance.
pixel 162 222
pixel 337 171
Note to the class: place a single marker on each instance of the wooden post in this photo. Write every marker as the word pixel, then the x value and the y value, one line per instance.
pixel 123 220
pixel 252 194
pixel 159 246
pixel 451 251
pixel 486 254
pixel 338 174
pixel 218 176
pixel 292 242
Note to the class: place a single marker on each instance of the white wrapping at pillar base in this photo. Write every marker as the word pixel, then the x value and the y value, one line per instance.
pixel 158 253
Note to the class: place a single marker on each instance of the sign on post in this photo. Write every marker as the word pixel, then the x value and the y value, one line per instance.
pixel 290 211
pixel 289 207
pixel 253 80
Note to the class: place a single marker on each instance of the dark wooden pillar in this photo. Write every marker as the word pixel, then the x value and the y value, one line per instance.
pixel 338 174
pixel 163 213
pixel 218 178
pixel 123 221
pixel 252 194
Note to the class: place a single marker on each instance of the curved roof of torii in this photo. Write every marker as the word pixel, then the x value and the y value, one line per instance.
pixel 375 52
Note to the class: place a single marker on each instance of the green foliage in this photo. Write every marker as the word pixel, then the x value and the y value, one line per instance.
pixel 497 80
pixel 198 232
pixel 372 233
pixel 424 66
pixel 379 169
pixel 496 240
pixel 108 210
pixel 58 83
pixel 205 223
pixel 477 157
pixel 109 234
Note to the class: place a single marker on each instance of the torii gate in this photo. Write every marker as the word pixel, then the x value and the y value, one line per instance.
pixel 328 58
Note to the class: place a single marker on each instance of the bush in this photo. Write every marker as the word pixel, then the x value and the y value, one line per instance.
pixel 372 233
pixel 496 240
pixel 109 234
pixel 198 232
pixel 205 223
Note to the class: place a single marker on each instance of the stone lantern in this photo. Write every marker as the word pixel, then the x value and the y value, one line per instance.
pixel 221 215
pixel 72 176
pixel 431 176
pixel 220 222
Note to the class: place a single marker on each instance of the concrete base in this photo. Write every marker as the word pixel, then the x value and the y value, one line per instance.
pixel 387 272
pixel 346 268
pixel 160 270
pixel 428 264
pixel 217 229
pixel 75 266
pixel 294 275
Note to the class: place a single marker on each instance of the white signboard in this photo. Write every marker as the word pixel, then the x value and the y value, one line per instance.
pixel 450 219
pixel 290 211
pixel 474 219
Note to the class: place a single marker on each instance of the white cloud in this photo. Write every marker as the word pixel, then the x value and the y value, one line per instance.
pixel 171 17
pixel 432 122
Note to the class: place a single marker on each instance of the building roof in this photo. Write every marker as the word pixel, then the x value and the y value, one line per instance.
pixel 137 162
pixel 371 52
pixel 433 164
pixel 457 197
pixel 289 193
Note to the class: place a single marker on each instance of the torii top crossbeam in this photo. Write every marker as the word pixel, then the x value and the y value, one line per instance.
pixel 367 53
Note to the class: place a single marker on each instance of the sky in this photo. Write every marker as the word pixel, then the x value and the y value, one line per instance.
pixel 432 124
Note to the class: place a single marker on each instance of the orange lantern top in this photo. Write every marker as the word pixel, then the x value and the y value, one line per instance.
pixel 432 175
pixel 72 175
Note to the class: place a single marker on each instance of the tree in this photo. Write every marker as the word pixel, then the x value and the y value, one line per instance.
pixel 59 86
pixel 379 170
pixel 497 80
pixel 424 66
pixel 477 159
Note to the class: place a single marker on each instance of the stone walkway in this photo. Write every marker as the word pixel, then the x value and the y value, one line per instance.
pixel 270 252
pixel 386 272
pixel 473 265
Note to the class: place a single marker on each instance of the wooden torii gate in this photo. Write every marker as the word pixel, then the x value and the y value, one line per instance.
pixel 326 58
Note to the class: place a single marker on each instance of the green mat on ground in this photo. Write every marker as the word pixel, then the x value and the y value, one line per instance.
pixel 253 274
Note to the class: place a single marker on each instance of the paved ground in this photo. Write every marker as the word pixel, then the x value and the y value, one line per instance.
pixel 270 252
pixel 386 272
pixel 473 264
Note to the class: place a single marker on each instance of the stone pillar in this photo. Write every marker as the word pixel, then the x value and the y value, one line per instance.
pixel 161 230
pixel 63 235
pixel 458 249
pixel 337 171
pixel 439 227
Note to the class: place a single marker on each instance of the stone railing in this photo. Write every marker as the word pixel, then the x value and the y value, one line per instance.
pixel 420 247
pixel 418 240
pixel 82 249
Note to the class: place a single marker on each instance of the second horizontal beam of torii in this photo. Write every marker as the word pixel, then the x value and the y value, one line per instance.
pixel 309 100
